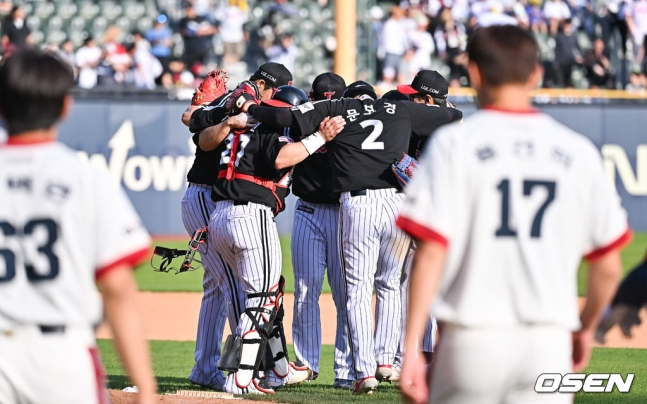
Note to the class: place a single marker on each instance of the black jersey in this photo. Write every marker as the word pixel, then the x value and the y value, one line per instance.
pixel 312 178
pixel 418 143
pixel 256 153
pixel 205 165
pixel 376 135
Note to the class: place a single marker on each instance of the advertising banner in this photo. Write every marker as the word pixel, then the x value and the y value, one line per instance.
pixel 146 148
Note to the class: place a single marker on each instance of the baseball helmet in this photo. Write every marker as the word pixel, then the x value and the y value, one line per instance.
pixel 287 97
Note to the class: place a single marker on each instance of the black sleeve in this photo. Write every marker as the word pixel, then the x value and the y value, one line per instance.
pixel 425 118
pixel 276 117
pixel 310 114
pixel 271 146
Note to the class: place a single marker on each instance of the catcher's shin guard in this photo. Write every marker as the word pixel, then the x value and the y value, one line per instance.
pixel 276 339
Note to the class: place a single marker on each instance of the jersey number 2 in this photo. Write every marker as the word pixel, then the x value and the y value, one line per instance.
pixel 370 142
pixel 47 249
pixel 528 185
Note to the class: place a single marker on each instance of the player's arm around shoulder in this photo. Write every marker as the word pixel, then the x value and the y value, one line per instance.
pixel 292 154
pixel 213 136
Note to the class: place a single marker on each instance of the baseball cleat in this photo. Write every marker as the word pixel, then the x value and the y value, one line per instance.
pixel 343 384
pixel 366 385
pixel 216 387
pixel 296 375
pixel 385 373
pixel 313 376
pixel 257 386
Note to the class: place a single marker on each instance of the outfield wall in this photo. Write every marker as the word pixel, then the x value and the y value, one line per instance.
pixel 146 148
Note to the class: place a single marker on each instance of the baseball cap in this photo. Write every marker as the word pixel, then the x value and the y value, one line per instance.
pixel 327 86
pixel 360 88
pixel 395 95
pixel 426 82
pixel 274 74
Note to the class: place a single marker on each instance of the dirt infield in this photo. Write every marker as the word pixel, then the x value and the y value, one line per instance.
pixel 174 316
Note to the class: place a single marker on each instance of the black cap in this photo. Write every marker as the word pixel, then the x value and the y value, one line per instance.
pixel 395 95
pixel 274 74
pixel 426 82
pixel 360 88
pixel 327 86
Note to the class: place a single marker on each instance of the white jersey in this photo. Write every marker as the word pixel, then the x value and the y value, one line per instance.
pixel 63 224
pixel 518 199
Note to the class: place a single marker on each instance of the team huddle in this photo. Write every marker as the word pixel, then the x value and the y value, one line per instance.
pixel 483 222
pixel 336 148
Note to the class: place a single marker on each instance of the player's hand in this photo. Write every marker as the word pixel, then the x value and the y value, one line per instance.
pixel 330 127
pixel 241 121
pixel 582 346
pixel 413 379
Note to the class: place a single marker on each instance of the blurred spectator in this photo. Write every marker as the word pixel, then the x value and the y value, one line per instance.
pixel 585 14
pixel 116 61
pixel 567 54
pixel 556 11
pixel 422 47
pixel 285 52
pixel 15 33
pixel 279 7
pixel 87 60
pixel 145 66
pixel 5 8
pixel 197 33
pixel 202 8
pixel 395 44
pixel 232 18
pixel 637 83
pixel 160 38
pixel 617 18
pixel 66 53
pixel 536 17
pixel 637 11
pixel 598 67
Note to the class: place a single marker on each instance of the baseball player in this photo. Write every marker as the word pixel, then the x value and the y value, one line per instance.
pixel 625 307
pixel 314 248
pixel 504 207
pixel 428 88
pixel 372 249
pixel 253 181
pixel 64 228
pixel 223 293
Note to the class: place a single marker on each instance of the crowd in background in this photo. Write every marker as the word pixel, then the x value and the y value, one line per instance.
pixel 601 41
pixel 585 43
pixel 146 59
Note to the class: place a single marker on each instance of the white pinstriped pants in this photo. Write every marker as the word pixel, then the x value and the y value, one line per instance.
pixel 314 248
pixel 373 252
pixel 220 286
pixel 246 237
pixel 429 339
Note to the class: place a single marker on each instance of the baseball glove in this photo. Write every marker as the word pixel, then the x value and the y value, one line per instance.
pixel 404 169
pixel 245 92
pixel 211 88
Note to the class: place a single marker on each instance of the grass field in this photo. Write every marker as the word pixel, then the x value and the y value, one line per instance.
pixel 172 362
pixel 192 281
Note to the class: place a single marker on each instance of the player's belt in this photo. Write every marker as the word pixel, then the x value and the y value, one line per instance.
pixel 364 192
pixel 52 329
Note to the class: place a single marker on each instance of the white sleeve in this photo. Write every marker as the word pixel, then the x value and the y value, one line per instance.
pixel 122 238
pixel 430 207
pixel 608 226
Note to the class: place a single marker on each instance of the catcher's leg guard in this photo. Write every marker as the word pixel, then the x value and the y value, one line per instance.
pixel 243 355
pixel 276 339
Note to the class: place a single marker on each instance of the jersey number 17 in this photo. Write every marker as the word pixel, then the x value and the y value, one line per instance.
pixel 504 229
